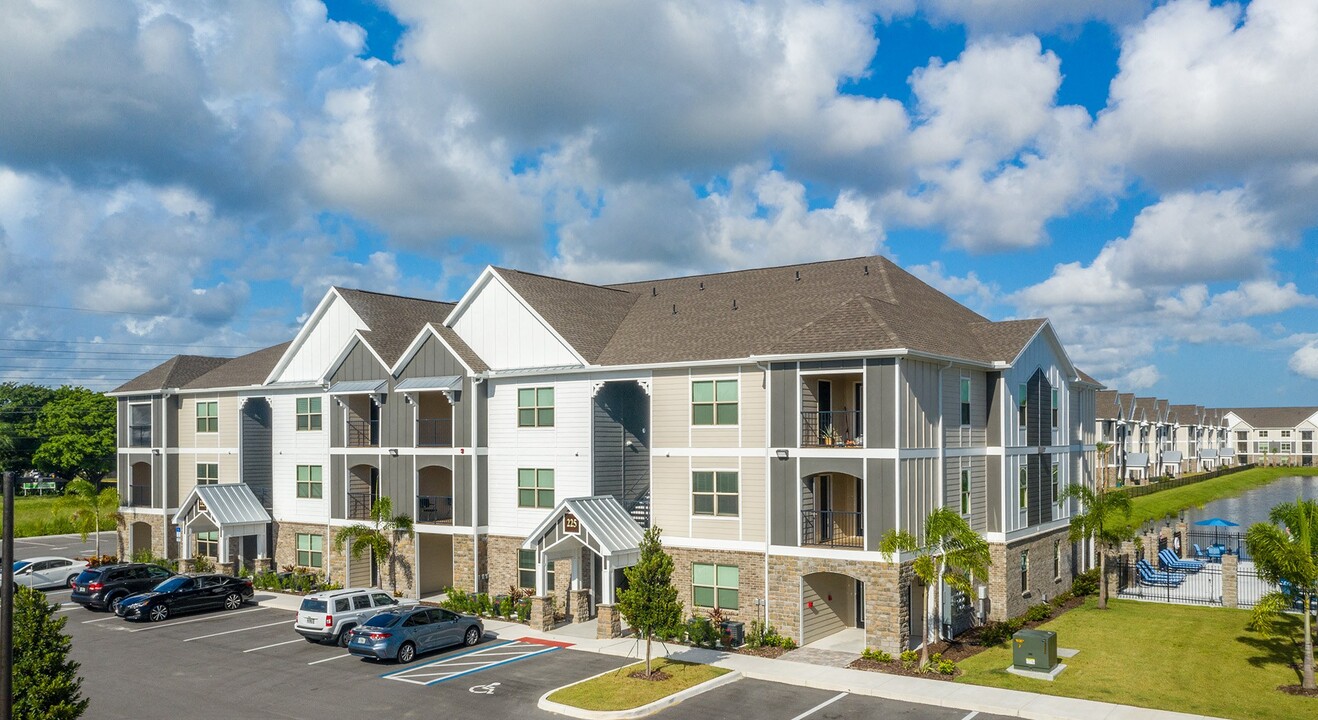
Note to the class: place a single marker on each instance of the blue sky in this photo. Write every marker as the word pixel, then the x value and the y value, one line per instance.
pixel 185 177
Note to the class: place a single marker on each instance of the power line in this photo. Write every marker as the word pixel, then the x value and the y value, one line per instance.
pixel 133 344
pixel 83 309
pixel 48 352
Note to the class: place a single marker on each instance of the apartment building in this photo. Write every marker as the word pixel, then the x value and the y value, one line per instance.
pixel 1273 435
pixel 1148 437
pixel 773 422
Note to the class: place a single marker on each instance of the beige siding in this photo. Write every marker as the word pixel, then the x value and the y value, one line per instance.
pixel 670 499
pixel 187 469
pixel 227 437
pixel 752 499
pixel 754 411
pixel 919 404
pixel 670 408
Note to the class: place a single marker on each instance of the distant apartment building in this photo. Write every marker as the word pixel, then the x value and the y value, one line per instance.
pixel 1273 435
pixel 775 423
pixel 1149 437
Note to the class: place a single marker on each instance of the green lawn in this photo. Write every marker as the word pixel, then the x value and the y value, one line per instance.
pixel 1169 503
pixel 1171 657
pixel 42 515
pixel 617 691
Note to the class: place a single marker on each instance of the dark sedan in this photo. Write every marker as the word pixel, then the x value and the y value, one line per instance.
pixel 184 594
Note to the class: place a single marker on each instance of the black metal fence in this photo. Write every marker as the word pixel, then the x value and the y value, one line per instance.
pixel 1211 546
pixel 359 505
pixel 434 432
pixel 1162 584
pixel 836 428
pixel 434 509
pixel 832 528
pixel 363 433
pixel 1160 484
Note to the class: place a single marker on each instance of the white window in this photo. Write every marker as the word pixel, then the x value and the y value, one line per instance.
pixel 1024 488
pixel 308 413
pixel 1054 408
pixel 535 488
pixel 1285 433
pixel 1263 433
pixel 310 550
pixel 309 483
pixel 965 401
pixel 1022 405
pixel 715 586
pixel 1057 488
pixel 208 417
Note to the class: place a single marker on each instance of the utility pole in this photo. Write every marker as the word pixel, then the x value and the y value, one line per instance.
pixel 7 600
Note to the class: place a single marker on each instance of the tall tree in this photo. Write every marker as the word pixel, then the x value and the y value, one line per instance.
pixel 1286 550
pixel 1103 515
pixel 78 430
pixel 951 552
pixel 381 537
pixel 649 603
pixel 1102 448
pixel 90 507
pixel 46 684
pixel 19 407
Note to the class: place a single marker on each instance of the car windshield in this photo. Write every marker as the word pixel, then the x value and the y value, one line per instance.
pixel 87 576
pixel 172 584
pixel 21 564
pixel 310 605
pixel 382 620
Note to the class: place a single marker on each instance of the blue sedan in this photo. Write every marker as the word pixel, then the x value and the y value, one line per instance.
pixel 404 634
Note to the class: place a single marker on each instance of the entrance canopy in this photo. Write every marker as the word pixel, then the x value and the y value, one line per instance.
pixel 599 524
pixel 231 509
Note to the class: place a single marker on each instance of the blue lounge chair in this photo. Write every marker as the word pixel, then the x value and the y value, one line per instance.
pixel 1171 562
pixel 1149 576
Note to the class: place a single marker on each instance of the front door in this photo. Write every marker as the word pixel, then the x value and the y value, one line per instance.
pixel 824 503
pixel 825 397
pixel 860 604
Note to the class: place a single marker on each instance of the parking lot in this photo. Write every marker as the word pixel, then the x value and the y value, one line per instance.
pixel 249 663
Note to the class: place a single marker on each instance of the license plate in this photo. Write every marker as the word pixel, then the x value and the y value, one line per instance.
pixel 310 620
pixel 361 641
pixel 81 588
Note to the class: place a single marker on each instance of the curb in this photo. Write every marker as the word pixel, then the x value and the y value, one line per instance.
pixel 662 703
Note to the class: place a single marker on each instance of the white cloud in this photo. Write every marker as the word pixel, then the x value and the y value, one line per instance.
pixel 1305 360
pixel 1024 16
pixel 1140 378
pixel 969 289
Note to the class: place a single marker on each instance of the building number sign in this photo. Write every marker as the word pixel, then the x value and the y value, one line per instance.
pixel 571 524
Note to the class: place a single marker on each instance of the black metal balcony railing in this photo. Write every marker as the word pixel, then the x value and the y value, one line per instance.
pixel 832 528
pixel 434 432
pixel 434 509
pixel 139 436
pixel 834 428
pixel 363 433
pixel 359 505
pixel 139 496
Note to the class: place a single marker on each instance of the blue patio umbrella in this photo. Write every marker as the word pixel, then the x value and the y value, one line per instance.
pixel 1217 523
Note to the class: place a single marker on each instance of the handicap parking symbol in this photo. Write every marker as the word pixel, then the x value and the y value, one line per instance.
pixel 483 689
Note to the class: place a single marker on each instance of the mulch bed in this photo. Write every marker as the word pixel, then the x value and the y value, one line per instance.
pixel 1298 690
pixel 764 652
pixel 897 668
pixel 655 676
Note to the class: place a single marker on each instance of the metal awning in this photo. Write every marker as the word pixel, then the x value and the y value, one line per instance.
pixel 599 523
pixel 357 387
pixel 1137 459
pixel 1208 454
pixel 1171 456
pixel 441 382
pixel 229 509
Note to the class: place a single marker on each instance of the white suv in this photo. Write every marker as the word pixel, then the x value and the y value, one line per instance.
pixel 331 614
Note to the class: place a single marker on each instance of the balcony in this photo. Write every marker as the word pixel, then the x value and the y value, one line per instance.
pixel 835 428
pixel 363 433
pixel 139 495
pixel 832 528
pixel 139 436
pixel 359 505
pixel 434 432
pixel 437 509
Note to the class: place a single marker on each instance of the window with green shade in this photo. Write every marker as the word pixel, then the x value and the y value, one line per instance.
pixel 1022 405
pixel 715 492
pixel 526 571
pixel 715 586
pixel 965 492
pixel 1024 487
pixel 308 413
pixel 1054 408
pixel 714 402
pixel 309 482
pixel 208 544
pixel 535 407
pixel 310 550
pixel 965 401
pixel 535 488
pixel 1057 487
pixel 208 473
pixel 208 417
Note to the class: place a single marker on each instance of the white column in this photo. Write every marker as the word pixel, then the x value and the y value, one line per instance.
pixel 607 581
pixel 260 544
pixel 541 574
pixel 224 546
pixel 186 541
pixel 576 571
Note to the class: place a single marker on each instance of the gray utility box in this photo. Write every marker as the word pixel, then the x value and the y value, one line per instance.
pixel 1034 650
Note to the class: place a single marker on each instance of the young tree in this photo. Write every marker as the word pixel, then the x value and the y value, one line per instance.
pixel 88 507
pixel 78 427
pixel 949 551
pixel 46 684
pixel 650 602
pixel 381 536
pixel 1103 516
pixel 1286 549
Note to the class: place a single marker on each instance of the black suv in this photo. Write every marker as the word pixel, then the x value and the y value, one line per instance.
pixel 99 588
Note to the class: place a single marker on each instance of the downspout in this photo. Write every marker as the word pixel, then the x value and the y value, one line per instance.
pixel 768 486
pixel 942 482
pixel 475 486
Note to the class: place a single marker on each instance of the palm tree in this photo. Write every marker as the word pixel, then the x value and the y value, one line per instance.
pixel 1286 549
pixel 949 551
pixel 380 537
pixel 87 507
pixel 1103 516
pixel 1102 448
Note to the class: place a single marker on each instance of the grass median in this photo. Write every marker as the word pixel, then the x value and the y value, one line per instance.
pixel 1169 657
pixel 617 690
pixel 46 515
pixel 1169 503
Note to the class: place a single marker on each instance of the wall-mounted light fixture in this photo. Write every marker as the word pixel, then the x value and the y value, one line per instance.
pixel 393 452
pixel 155 451
pixel 781 453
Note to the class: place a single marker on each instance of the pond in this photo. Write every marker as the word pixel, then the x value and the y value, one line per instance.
pixel 1246 509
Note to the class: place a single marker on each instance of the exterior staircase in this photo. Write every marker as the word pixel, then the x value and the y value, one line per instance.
pixel 640 510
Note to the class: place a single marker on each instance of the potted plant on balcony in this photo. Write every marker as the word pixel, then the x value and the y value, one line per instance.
pixel 831 436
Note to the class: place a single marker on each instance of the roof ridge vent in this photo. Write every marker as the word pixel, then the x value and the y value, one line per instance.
pixel 867 269
pixel 734 303
pixel 798 276
pixel 674 308
pixel 702 284
pixel 654 291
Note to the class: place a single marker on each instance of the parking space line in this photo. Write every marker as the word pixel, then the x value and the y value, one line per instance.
pixel 194 620
pixel 469 662
pixel 972 714
pixel 332 657
pixel 821 706
pixel 267 647
pixel 230 632
pixel 111 617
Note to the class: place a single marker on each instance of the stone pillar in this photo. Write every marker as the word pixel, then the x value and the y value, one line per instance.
pixel 1166 540
pixel 1151 549
pixel 542 613
pixel 1230 564
pixel 1183 533
pixel 187 565
pixel 263 564
pixel 608 622
pixel 579 605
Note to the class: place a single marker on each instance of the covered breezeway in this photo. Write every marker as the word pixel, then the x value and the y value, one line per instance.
pixel 833 610
pixel 231 511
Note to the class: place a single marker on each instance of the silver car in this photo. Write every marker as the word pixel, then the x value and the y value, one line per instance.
pixel 404 634
pixel 328 616
pixel 47 572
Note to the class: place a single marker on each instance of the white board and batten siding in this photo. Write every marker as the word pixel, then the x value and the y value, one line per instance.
pixel 505 333
pixel 329 334
pixel 565 448
pixel 293 448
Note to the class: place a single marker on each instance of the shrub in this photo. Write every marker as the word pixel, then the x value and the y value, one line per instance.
pixel 701 632
pixel 939 664
pixel 1086 583
pixel 146 556
pixel 99 560
pixel 202 564
pixel 763 634
pixel 1039 613
pixel 876 655
pixel 786 643
pixel 910 658
pixel 1062 599
pixel 996 633
pixel 523 610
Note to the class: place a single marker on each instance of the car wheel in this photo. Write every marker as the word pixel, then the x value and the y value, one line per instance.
pixel 233 601
pixel 406 653
pixel 73 579
pixel 343 638
pixel 113 600
pixel 158 613
pixel 472 637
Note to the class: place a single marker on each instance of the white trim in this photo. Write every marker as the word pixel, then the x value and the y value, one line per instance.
pixel 307 328
pixel 712 544
pixel 491 273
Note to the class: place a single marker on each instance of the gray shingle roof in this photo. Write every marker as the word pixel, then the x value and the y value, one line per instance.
pixel 1106 406
pixel 865 303
pixel 460 346
pixel 173 373
pixel 1085 377
pixel 244 370
pixel 394 321
pixel 1274 417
